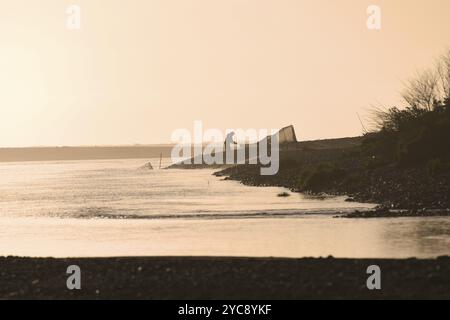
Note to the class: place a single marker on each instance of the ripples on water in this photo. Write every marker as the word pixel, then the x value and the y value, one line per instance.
pixel 113 208
pixel 122 189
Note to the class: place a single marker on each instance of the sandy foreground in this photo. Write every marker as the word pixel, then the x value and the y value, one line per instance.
pixel 223 278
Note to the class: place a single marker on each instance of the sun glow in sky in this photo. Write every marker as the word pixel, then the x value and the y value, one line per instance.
pixel 139 69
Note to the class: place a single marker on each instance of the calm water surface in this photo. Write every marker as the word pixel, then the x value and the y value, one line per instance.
pixel 114 208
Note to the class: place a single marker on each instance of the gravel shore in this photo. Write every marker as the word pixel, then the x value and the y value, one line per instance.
pixel 223 278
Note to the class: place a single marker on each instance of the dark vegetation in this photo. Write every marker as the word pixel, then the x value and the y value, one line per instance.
pixel 404 162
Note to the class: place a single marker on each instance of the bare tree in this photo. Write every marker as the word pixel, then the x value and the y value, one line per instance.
pixel 428 90
pixel 431 87
pixel 422 91
pixel 443 71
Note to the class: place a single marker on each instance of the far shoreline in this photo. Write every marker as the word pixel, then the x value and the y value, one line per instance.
pixel 75 153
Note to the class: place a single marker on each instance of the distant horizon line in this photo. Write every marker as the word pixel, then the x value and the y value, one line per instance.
pixel 91 146
pixel 143 144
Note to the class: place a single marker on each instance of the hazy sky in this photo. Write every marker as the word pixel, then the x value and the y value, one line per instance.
pixel 139 69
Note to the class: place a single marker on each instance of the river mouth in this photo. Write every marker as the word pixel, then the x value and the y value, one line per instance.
pixel 111 208
pixel 121 189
